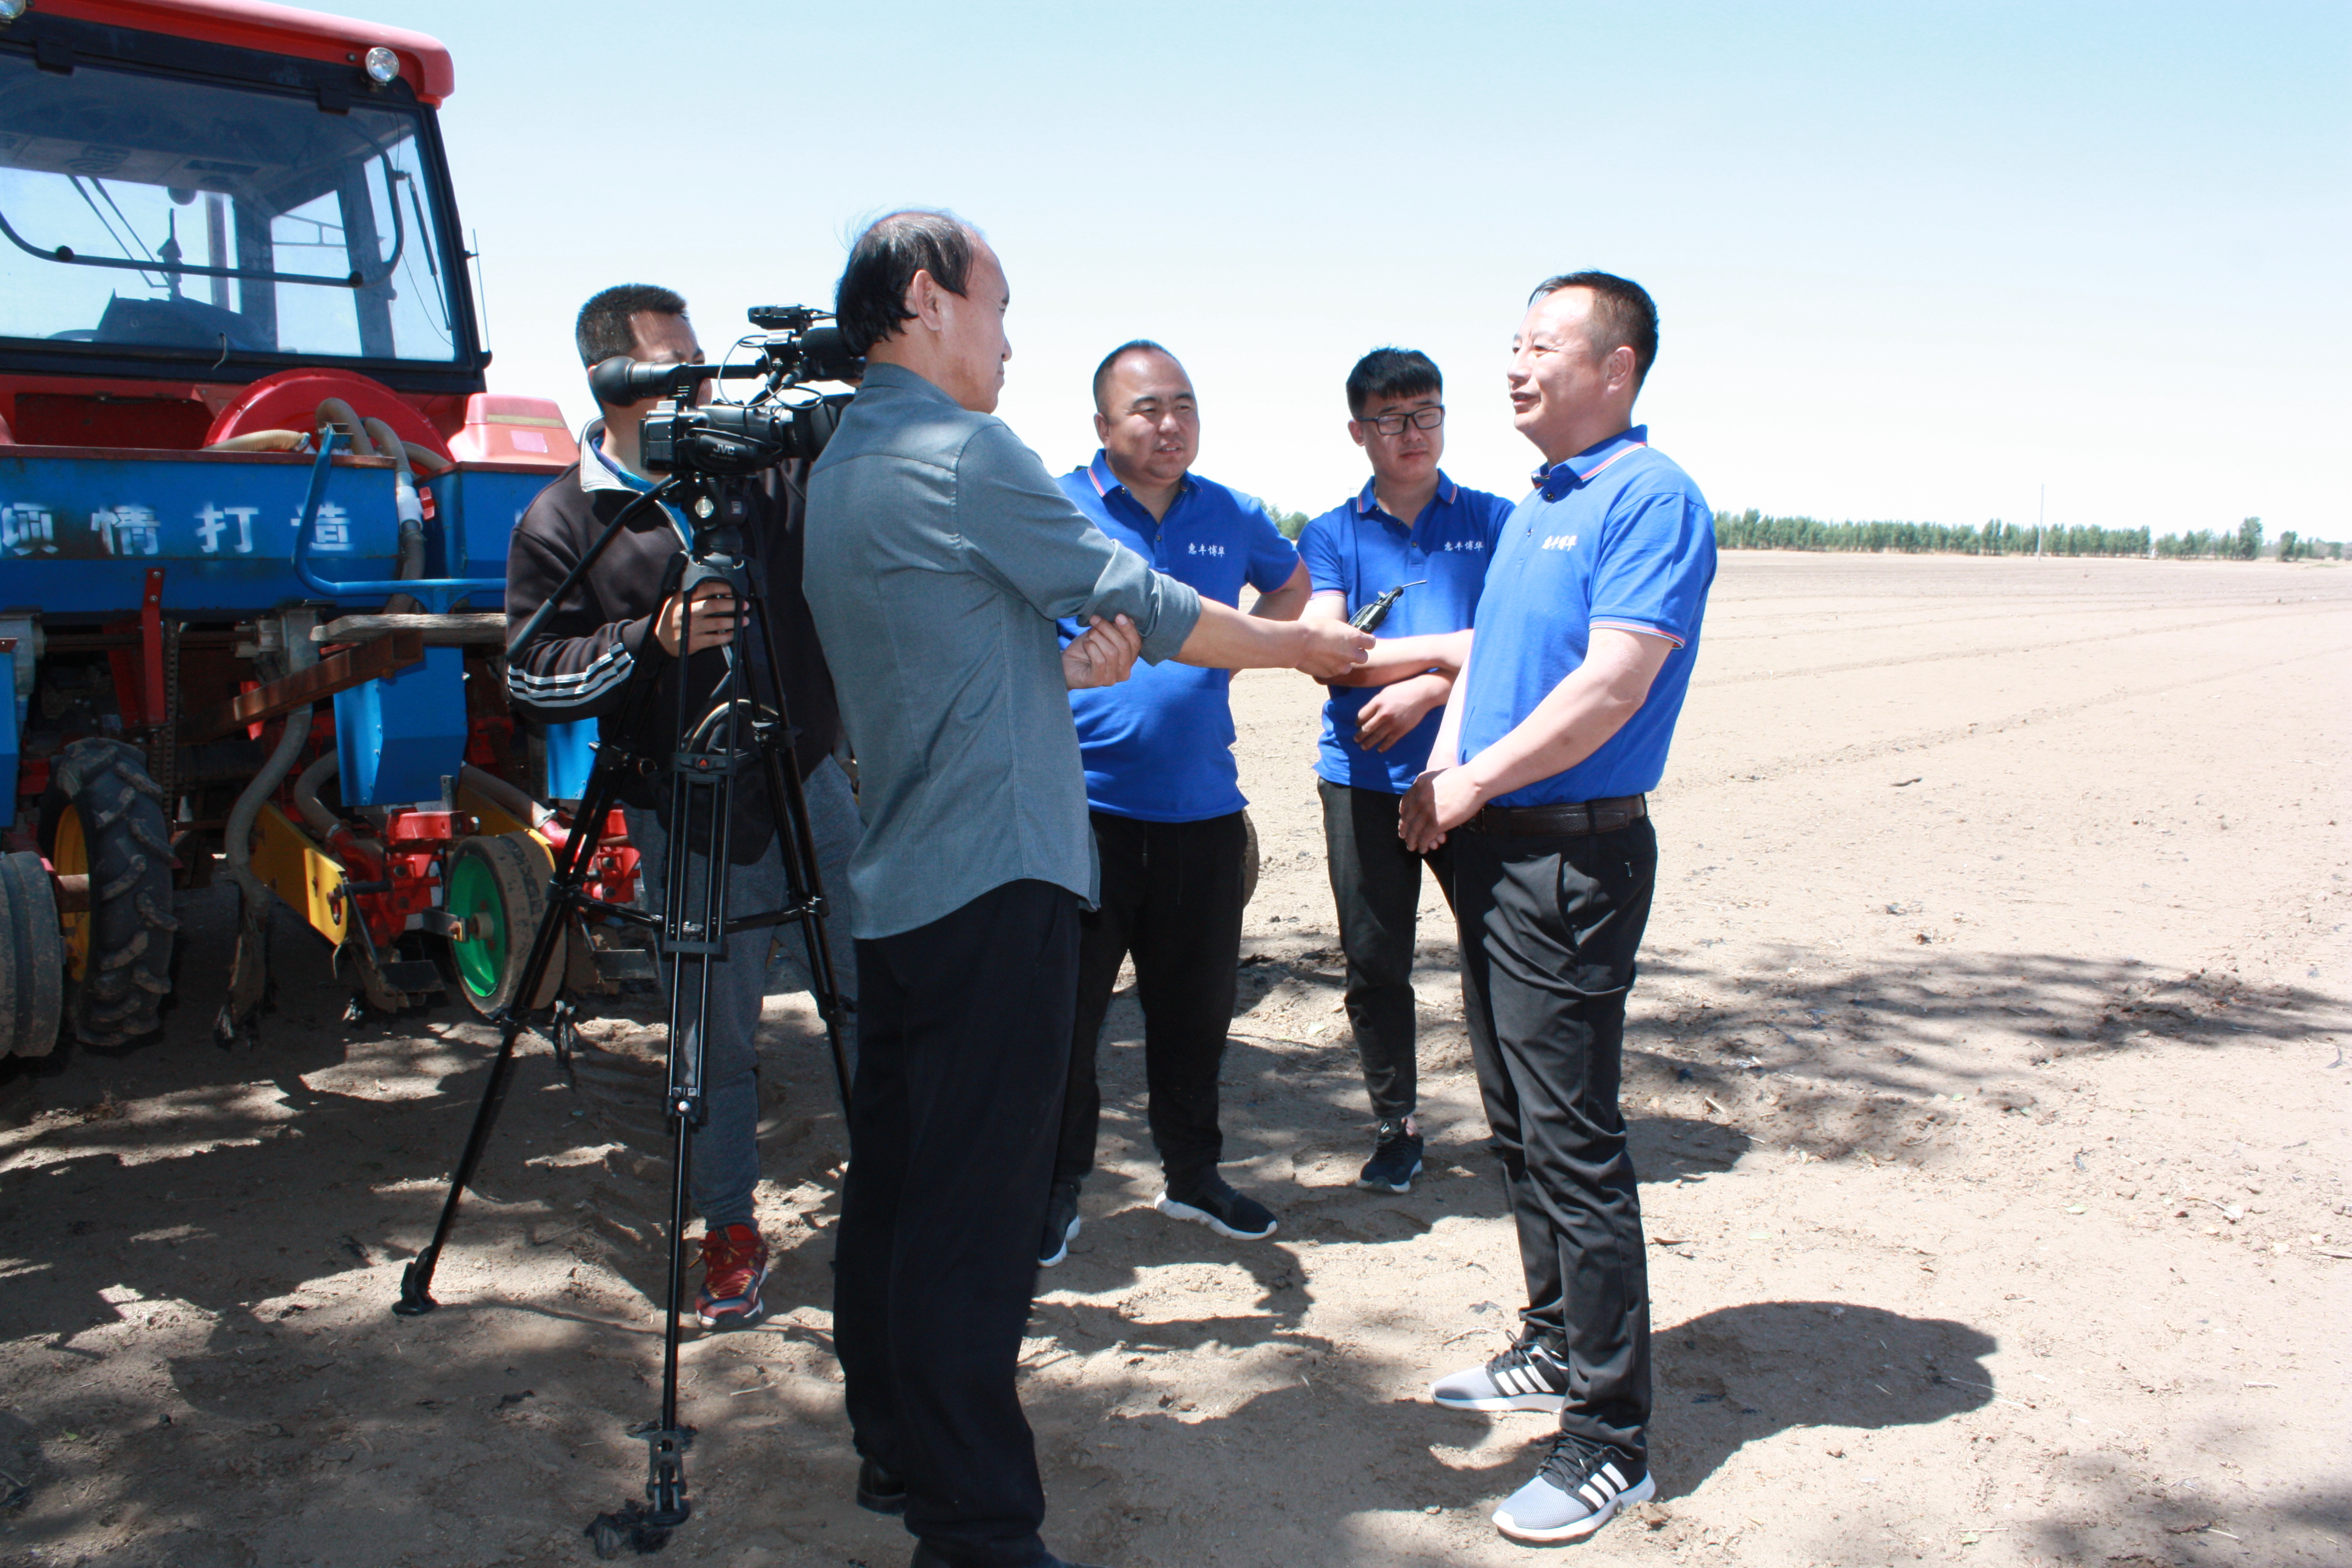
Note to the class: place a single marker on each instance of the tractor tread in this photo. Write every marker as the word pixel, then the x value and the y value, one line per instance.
pixel 130 925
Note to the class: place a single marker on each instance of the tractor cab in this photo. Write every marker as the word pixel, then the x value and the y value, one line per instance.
pixel 255 501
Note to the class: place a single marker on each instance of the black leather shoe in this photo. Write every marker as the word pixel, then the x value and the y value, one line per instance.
pixel 927 1558
pixel 879 1489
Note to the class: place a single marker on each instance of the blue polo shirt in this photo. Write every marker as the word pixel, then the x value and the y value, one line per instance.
pixel 1359 550
pixel 1158 745
pixel 1616 536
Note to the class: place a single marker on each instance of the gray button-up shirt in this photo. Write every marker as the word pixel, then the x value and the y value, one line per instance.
pixel 939 554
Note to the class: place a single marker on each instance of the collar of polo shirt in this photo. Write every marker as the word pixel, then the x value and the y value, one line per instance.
pixel 1557 480
pixel 1368 500
pixel 1106 481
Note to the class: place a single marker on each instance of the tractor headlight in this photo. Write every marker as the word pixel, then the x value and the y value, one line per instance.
pixel 382 65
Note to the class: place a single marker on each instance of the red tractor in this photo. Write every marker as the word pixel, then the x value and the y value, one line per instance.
pixel 254 498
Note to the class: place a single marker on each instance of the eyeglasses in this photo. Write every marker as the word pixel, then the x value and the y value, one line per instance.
pixel 1394 424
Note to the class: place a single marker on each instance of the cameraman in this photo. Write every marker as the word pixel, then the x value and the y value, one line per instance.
pixel 578 665
pixel 941 555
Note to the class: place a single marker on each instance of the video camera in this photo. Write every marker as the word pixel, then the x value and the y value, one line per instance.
pixel 725 438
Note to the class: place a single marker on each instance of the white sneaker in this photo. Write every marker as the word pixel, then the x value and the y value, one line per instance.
pixel 1578 1489
pixel 1525 1377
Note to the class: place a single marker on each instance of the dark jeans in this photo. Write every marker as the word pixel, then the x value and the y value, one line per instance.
pixel 1376 883
pixel 1171 895
pixel 964 1029
pixel 1549 928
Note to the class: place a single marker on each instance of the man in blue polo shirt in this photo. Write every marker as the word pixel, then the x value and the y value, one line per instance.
pixel 1164 797
pixel 1410 528
pixel 1556 729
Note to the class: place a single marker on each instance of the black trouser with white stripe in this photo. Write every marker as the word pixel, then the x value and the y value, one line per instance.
pixel 1549 928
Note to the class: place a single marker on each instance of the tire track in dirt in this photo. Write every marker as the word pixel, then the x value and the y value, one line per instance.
pixel 2038 647
pixel 1897 619
pixel 1889 745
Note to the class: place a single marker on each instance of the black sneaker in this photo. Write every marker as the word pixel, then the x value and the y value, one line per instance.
pixel 925 1557
pixel 1527 1377
pixel 1395 1162
pixel 1061 1225
pixel 879 1490
pixel 1211 1200
pixel 1579 1487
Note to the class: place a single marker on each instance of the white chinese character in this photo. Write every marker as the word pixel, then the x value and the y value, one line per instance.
pixel 335 529
pixel 27 530
pixel 214 519
pixel 127 531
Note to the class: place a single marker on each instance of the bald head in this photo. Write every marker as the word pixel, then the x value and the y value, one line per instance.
pixel 1146 416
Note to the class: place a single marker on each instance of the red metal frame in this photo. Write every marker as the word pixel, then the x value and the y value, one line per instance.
pixel 277 29
pixel 151 646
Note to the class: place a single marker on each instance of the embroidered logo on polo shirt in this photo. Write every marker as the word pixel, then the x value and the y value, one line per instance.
pixel 1205 550
pixel 1560 542
pixel 1453 544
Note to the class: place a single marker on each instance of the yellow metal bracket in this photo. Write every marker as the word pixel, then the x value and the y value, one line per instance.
pixel 308 878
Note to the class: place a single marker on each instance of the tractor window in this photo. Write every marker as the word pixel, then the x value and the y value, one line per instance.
pixel 147 212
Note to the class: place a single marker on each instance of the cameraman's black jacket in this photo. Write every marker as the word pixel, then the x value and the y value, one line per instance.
pixel 580 663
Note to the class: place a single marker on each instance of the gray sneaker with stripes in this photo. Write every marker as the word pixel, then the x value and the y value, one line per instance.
pixel 1527 1377
pixel 1579 1487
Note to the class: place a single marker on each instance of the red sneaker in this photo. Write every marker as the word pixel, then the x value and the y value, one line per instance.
pixel 734 1267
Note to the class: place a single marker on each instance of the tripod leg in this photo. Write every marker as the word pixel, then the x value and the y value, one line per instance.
pixel 801 881
pixel 666 1440
pixel 416 1280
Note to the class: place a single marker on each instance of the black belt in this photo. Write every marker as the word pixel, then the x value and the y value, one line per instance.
pixel 1560 821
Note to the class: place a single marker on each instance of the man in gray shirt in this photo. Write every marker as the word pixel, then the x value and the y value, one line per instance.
pixel 939 554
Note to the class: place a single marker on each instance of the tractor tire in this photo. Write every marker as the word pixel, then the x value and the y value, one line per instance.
pixel 103 815
pixel 499 881
pixel 32 959
pixel 1249 859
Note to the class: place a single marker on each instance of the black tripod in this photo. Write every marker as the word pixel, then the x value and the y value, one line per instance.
pixel 739 727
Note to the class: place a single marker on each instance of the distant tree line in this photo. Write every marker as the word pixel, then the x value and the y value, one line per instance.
pixel 1751 529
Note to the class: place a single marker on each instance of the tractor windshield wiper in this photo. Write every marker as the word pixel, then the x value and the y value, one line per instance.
pixel 66 255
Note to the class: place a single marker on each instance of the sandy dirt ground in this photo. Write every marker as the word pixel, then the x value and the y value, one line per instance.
pixel 1987 1080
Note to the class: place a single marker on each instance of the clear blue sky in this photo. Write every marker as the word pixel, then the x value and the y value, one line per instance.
pixel 1913 261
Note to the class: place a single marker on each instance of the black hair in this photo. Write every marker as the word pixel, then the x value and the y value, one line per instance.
pixel 1132 346
pixel 1392 372
pixel 1623 315
pixel 871 299
pixel 605 329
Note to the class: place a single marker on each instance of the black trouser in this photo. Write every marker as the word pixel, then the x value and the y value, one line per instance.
pixel 1549 928
pixel 1376 884
pixel 1171 895
pixel 964 1026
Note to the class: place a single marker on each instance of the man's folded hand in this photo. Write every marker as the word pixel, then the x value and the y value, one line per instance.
pixel 1104 656
pixel 1329 648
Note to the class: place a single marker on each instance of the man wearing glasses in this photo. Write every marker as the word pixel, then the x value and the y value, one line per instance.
pixel 1412 528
